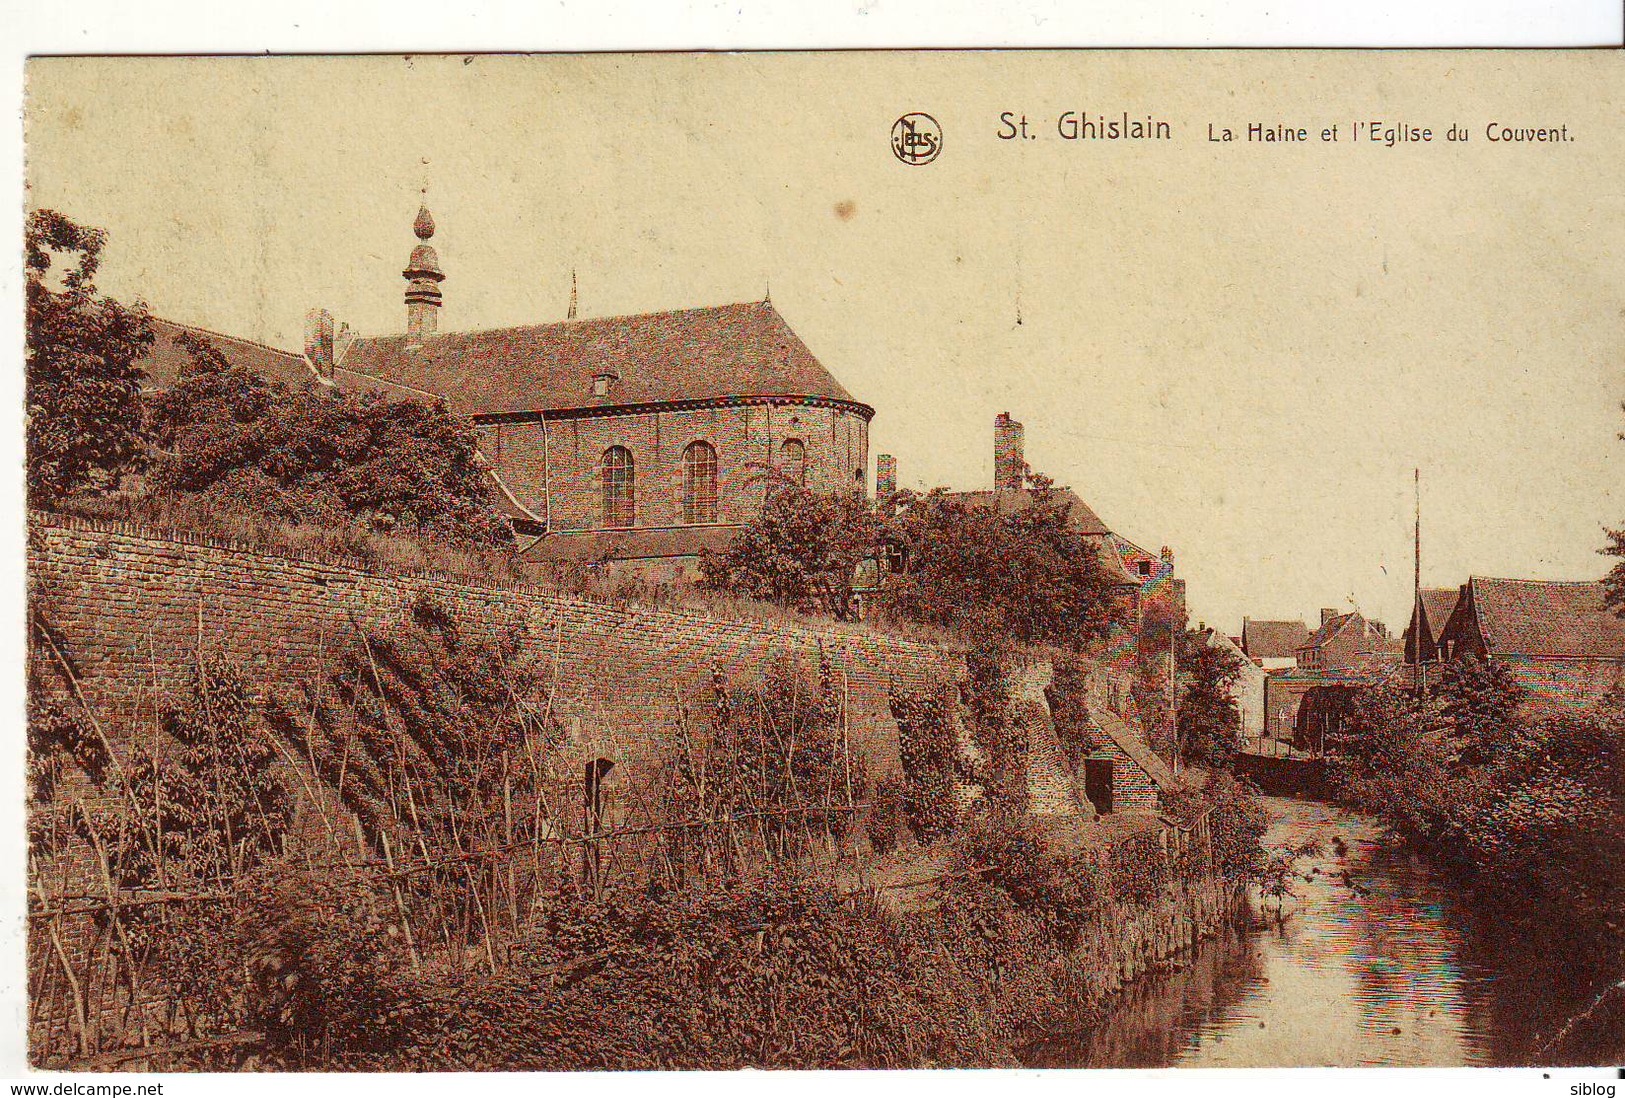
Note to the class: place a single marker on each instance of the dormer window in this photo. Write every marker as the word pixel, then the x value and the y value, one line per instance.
pixel 601 383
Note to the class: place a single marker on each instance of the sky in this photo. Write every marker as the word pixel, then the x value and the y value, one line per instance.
pixel 1238 350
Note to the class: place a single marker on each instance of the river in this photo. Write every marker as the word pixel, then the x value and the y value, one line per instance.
pixel 1372 963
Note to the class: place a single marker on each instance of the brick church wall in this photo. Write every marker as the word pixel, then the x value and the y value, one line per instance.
pixel 748 439
pixel 518 453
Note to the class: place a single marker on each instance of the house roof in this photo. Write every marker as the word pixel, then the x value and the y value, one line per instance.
pixel 1079 514
pixel 1135 748
pixel 719 353
pixel 1272 639
pixel 590 546
pixel 1544 618
pixel 1328 629
pixel 1010 500
pixel 1366 669
pixel 166 358
pixel 1438 603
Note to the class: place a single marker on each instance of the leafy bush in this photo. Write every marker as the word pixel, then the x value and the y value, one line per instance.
pixel 299 957
pixel 929 748
pixel 318 455
pixel 83 387
pixel 1062 890
pixel 998 730
pixel 884 823
pixel 1526 807
pixel 1022 574
pixel 1138 869
pixel 802 549
pixel 1068 696
pixel 769 974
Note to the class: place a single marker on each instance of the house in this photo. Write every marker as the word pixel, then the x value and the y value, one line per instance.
pixel 1343 647
pixel 1323 697
pixel 1340 639
pixel 639 440
pixel 1432 611
pixel 1248 689
pixel 1272 645
pixel 1560 640
pixel 1146 583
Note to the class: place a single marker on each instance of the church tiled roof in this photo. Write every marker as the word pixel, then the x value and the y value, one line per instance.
pixel 706 354
pixel 1545 618
pixel 166 358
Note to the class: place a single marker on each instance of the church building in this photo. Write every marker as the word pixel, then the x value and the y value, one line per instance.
pixel 634 439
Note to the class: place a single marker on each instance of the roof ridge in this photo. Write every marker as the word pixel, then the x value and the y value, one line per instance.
pixel 222 335
pixel 578 322
pixel 1533 582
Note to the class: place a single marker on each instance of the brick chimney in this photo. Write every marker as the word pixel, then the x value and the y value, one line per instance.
pixel 319 342
pixel 885 476
pixel 1009 463
pixel 1327 614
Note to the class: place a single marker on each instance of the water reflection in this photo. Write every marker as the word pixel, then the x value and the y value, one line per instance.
pixel 1369 965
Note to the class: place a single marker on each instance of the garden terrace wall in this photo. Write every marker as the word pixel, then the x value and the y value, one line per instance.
pixel 130 607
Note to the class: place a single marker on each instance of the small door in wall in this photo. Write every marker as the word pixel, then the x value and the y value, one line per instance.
pixel 1097 784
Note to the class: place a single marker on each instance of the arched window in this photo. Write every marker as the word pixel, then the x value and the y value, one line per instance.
pixel 793 460
pixel 699 483
pixel 619 497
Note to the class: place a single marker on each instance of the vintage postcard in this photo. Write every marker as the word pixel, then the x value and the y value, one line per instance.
pixel 826 560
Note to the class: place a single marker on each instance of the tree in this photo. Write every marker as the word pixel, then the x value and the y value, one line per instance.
pixel 1614 581
pixel 83 388
pixel 803 548
pixel 1480 700
pixel 313 454
pixel 1209 719
pixel 1024 575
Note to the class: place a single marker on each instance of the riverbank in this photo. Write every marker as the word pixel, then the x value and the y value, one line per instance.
pixel 1375 961
pixel 778 974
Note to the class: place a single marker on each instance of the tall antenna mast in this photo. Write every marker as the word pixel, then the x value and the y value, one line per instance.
pixel 1416 593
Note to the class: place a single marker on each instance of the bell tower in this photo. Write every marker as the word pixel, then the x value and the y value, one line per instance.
pixel 423 277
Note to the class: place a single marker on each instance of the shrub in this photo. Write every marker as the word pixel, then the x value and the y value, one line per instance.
pixel 1138 870
pixel 83 384
pixel 299 957
pixel 884 822
pixel 1068 696
pixel 999 732
pixel 319 455
pixel 1021 573
pixel 802 549
pixel 1062 890
pixel 929 748
pixel 769 974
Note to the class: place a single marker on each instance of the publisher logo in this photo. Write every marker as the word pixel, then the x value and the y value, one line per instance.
pixel 916 139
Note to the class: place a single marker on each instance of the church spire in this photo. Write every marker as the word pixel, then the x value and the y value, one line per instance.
pixel 571 315
pixel 423 277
